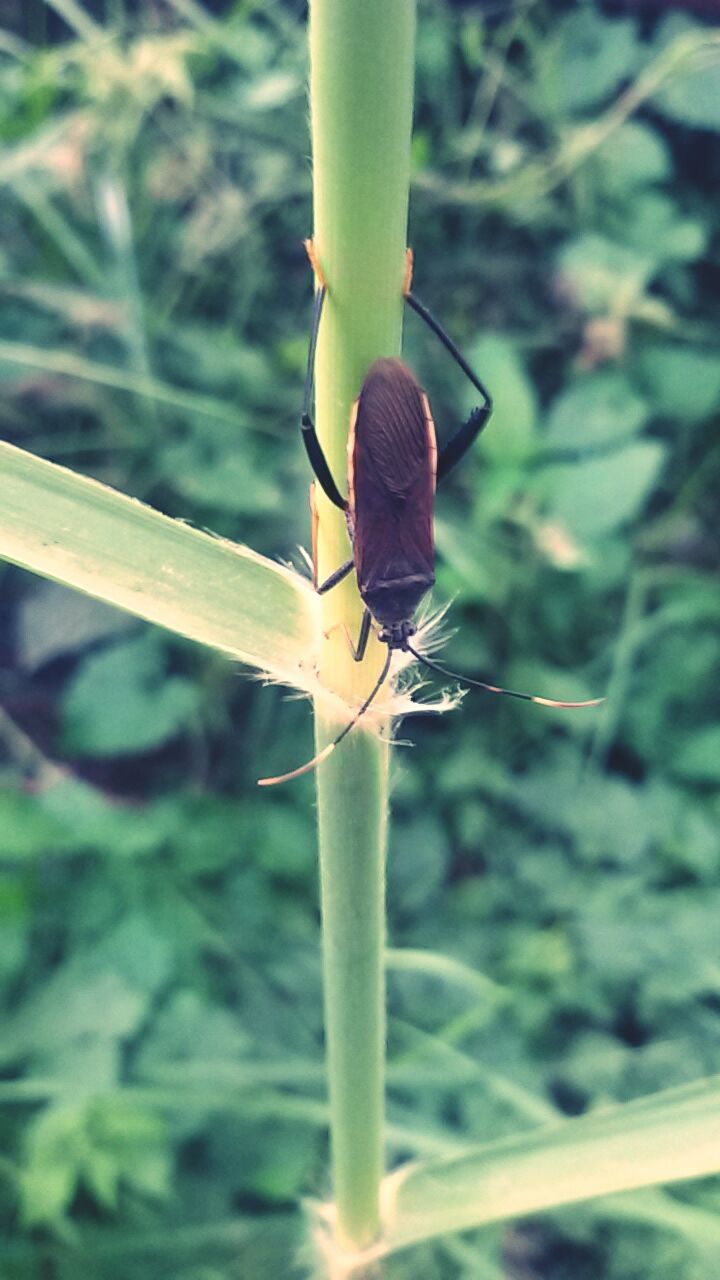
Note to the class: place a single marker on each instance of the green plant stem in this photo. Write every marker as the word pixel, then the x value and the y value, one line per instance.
pixel 361 105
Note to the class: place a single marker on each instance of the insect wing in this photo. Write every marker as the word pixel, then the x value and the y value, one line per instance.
pixel 392 477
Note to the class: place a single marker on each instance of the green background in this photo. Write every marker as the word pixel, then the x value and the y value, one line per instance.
pixel 161 1081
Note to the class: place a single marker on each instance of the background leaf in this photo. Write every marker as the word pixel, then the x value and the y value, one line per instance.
pixel 514 408
pixel 594 412
pixel 122 701
pixel 596 496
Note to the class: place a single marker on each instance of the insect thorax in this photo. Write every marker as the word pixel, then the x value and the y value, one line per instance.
pixel 393 603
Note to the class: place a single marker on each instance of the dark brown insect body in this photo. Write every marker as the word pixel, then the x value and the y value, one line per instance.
pixel 392 461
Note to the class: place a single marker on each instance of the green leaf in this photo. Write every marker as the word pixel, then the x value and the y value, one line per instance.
pixel 593 56
pixel 599 271
pixel 699 759
pixel 633 156
pixel 67 363
pixel 134 1138
pixel 103 993
pixel 226 480
pixel 79 532
pixel 191 1030
pixel 654 219
pixel 15 924
pixel 419 863
pixel 665 1137
pixel 278 1160
pixel 283 840
pixel 121 702
pixel 515 407
pixel 207 833
pixel 592 498
pixel 83 1067
pixel 97 1145
pixel 71 1004
pixel 88 820
pixel 692 94
pixel 683 382
pixel 595 410
pixel 49 1176
pixel 54 621
pixel 136 952
pixel 25 830
pixel 613 822
pixel 693 99
pixel 540 956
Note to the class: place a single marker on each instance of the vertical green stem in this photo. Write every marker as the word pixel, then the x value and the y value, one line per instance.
pixel 361 101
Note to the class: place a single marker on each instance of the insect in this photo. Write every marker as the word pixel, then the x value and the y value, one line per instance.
pixel 394 466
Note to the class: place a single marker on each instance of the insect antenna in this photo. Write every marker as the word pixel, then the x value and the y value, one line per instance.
pixel 326 751
pixel 492 688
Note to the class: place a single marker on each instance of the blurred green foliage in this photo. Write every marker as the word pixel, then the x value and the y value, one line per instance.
pixel 161 1082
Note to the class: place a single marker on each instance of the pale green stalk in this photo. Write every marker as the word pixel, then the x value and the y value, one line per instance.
pixel 361 106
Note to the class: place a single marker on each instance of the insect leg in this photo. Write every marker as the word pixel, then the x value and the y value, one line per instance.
pixel 335 577
pixel 358 652
pixel 318 461
pixel 458 445
pixel 467 434
pixel 420 309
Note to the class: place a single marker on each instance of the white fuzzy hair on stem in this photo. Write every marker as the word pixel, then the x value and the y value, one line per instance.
pixel 392 701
